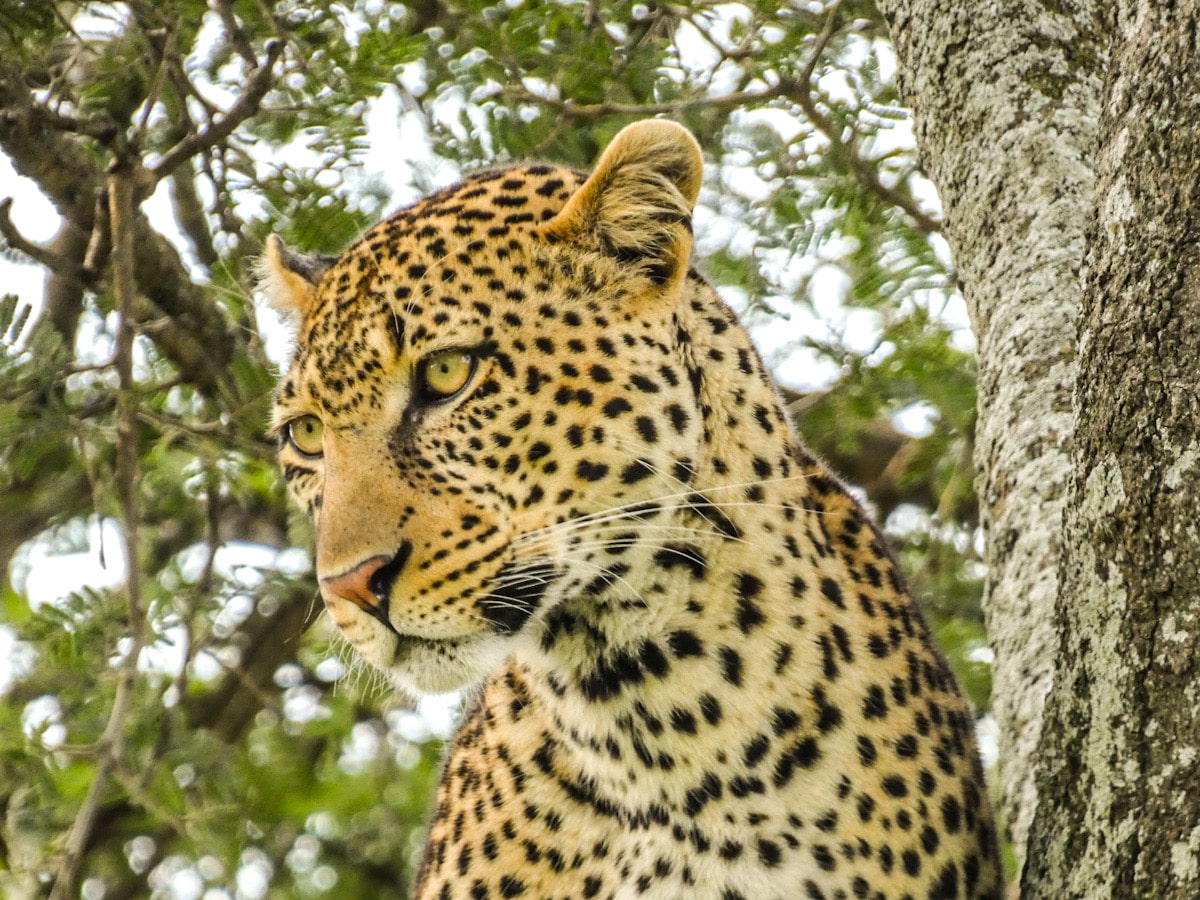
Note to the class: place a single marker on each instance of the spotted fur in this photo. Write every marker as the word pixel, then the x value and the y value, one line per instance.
pixel 702 674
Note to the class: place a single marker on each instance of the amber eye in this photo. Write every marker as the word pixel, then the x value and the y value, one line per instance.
pixel 443 375
pixel 306 435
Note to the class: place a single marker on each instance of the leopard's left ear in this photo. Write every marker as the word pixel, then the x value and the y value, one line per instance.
pixel 289 279
pixel 637 204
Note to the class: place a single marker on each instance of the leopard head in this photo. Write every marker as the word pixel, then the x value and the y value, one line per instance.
pixel 477 385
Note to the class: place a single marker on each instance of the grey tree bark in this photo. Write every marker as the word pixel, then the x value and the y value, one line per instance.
pixel 1006 97
pixel 1121 740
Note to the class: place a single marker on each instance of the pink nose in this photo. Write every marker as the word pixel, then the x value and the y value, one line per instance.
pixel 355 585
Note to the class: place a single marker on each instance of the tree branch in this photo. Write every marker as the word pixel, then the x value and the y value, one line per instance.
pixel 110 747
pixel 246 106
pixel 591 111
pixel 40 151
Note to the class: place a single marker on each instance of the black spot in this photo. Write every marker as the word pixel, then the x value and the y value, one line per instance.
pixel 741 786
pixel 686 556
pixel 678 416
pixel 749 616
pixel 825 859
pixel 783 721
pixel 929 840
pixel 653 660
pixel 755 750
pixel 610 676
pixel 511 886
pixel 832 592
pixel 874 704
pixel 521 588
pixel 696 798
pixel 616 406
pixel 591 471
pixel 946 886
pixel 951 814
pixel 763 416
pixel 829 716
pixel 783 655
pixel 842 639
pixel 731 665
pixel 684 643
pixel 769 853
pixel 866 806
pixel 642 383
pixel 683 721
pixel 906 747
pixel 867 754
pixel 895 786
pixel 800 755
pixel 647 429
pixel 926 782
pixel 912 862
pixel 636 471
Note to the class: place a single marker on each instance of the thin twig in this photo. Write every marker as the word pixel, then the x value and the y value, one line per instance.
pixel 224 434
pixel 236 34
pixel 110 746
pixel 246 106
pixel 866 172
pixel 156 86
pixel 571 110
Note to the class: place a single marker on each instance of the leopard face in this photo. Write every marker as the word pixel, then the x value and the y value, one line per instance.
pixel 475 383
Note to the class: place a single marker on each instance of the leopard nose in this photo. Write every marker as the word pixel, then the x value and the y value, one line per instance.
pixel 368 585
pixel 356 585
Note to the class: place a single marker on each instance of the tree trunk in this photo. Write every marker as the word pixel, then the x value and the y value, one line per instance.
pixel 1121 742
pixel 1005 98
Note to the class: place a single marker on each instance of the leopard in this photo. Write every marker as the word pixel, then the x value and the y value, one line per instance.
pixel 548 468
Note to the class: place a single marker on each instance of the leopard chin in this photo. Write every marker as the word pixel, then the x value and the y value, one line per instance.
pixel 423 667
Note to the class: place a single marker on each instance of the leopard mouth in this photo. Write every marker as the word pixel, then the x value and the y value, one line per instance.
pixel 515 594
pixel 409 645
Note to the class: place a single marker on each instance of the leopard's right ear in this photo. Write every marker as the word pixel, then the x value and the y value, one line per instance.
pixel 288 279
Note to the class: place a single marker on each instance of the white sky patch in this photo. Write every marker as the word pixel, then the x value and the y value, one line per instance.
pixel 916 420
pixel 35 218
pixel 58 564
pixel 42 718
pixel 16 659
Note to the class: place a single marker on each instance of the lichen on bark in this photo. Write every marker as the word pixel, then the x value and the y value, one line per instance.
pixel 1005 99
pixel 1121 741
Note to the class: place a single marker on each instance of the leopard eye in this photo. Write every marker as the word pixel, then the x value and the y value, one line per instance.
pixel 306 434
pixel 443 375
